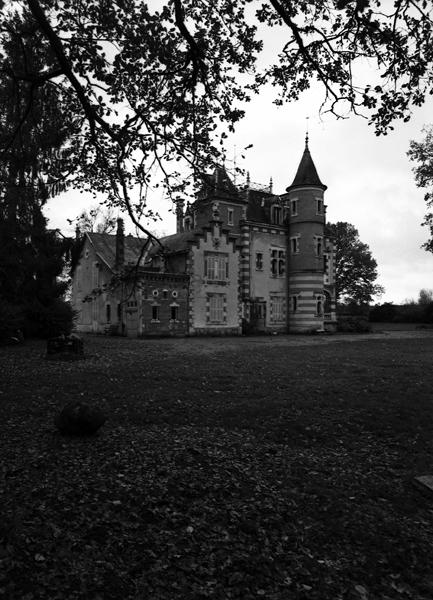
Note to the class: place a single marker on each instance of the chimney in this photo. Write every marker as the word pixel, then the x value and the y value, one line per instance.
pixel 120 245
pixel 179 216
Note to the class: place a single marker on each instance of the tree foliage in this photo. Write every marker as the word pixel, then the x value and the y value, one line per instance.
pixel 422 154
pixel 356 269
pixel 97 219
pixel 31 257
pixel 156 87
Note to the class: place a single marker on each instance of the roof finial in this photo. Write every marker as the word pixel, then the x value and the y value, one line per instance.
pixel 271 185
pixel 248 179
pixel 306 134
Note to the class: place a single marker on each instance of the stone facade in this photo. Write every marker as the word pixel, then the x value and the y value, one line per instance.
pixel 243 260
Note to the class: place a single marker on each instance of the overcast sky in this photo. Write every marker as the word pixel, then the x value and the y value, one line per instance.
pixel 370 181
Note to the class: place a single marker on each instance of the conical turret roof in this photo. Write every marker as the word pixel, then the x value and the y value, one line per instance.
pixel 306 174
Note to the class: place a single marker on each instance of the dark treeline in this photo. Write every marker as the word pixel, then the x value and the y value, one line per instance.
pixel 411 311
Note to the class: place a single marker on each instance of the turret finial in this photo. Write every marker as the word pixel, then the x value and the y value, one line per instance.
pixel 306 134
pixel 271 185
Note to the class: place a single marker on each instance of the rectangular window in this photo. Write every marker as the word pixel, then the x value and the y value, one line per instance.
pixel 278 263
pixel 281 263
pixel 259 261
pixel 155 313
pixel 294 207
pixel 174 313
pixel 326 263
pixel 319 207
pixel 277 309
pixel 108 313
pixel 230 213
pixel 294 245
pixel 276 215
pixel 318 242
pixel 95 275
pixel 293 303
pixel 216 308
pixel 274 263
pixel 216 267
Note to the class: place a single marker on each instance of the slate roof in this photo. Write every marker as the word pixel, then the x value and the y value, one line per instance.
pixel 105 247
pixel 306 173
pixel 258 208
pixel 178 242
pixel 218 185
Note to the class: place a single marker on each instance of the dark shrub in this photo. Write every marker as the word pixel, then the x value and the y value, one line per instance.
pixel 409 313
pixel 353 324
pixel 353 308
pixel 11 321
pixel 51 320
pixel 384 313
pixel 428 313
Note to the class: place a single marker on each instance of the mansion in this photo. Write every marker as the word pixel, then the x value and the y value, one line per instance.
pixel 242 260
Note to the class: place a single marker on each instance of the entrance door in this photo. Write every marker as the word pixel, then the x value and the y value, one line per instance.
pixel 258 315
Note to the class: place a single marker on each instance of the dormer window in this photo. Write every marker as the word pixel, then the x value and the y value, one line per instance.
pixel 187 224
pixel 277 215
pixel 230 213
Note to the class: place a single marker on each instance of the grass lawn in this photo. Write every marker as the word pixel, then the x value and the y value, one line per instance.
pixel 277 468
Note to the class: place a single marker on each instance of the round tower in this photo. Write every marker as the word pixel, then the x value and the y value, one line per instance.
pixel 305 248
